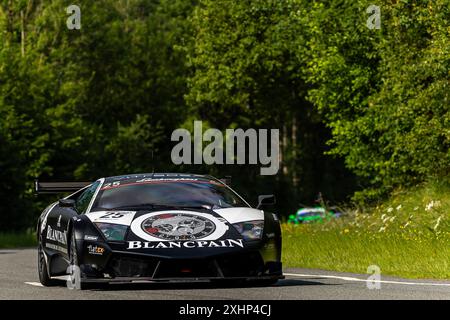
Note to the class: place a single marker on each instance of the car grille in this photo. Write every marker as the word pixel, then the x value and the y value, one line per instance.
pixel 132 267
pixel 233 265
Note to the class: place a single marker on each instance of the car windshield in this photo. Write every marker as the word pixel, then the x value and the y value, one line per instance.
pixel 166 192
pixel 310 214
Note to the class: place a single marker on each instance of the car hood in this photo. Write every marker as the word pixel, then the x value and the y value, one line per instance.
pixel 231 215
pixel 179 231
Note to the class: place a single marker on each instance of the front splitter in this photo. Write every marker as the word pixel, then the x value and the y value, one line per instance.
pixel 177 280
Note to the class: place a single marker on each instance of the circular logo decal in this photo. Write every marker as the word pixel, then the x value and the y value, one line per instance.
pixel 178 226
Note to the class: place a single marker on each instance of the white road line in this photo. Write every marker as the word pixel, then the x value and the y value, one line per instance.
pixel 367 280
pixel 35 284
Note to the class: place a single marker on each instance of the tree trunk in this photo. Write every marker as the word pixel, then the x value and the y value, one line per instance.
pixel 284 150
pixel 294 151
pixel 22 33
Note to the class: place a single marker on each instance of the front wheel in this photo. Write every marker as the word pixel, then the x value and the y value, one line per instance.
pixel 43 269
pixel 74 271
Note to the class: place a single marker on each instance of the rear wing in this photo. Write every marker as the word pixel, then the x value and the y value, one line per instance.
pixel 58 187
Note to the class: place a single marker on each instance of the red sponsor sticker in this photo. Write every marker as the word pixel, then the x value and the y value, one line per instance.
pixel 165 216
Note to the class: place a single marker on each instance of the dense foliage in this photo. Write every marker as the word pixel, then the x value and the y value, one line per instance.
pixel 104 100
pixel 385 93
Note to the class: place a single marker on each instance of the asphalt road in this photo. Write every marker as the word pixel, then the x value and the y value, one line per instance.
pixel 19 280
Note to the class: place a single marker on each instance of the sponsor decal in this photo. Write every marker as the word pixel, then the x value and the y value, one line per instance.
pixel 95 250
pixel 56 247
pixel 45 214
pixel 178 225
pixel 226 243
pixel 222 219
pixel 116 217
pixel 90 238
pixel 117 184
pixel 270 246
pixel 111 185
pixel 56 235
pixel 166 179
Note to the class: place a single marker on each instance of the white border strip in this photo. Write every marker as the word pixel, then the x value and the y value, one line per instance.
pixel 34 284
pixel 368 280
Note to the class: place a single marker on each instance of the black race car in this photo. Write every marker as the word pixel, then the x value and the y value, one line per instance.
pixel 156 227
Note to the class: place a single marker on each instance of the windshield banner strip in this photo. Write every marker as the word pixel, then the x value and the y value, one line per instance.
pixel 113 185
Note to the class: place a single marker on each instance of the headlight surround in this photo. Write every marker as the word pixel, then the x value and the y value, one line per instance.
pixel 112 232
pixel 250 230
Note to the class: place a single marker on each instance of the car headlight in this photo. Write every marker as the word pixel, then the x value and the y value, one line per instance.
pixel 250 230
pixel 112 232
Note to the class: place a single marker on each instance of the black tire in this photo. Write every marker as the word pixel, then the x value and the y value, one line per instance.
pixel 74 263
pixel 73 253
pixel 43 269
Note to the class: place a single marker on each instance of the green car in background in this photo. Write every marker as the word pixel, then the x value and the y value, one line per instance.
pixel 312 215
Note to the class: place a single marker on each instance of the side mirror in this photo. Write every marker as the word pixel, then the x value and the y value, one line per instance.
pixel 266 200
pixel 67 203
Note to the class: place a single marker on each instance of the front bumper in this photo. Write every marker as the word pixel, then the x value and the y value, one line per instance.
pixel 123 267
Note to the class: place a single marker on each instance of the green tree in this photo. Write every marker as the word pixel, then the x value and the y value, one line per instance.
pixel 384 92
pixel 249 61
pixel 79 104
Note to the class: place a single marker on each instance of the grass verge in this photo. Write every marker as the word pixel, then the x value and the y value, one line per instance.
pixel 354 252
pixel 406 236
pixel 17 240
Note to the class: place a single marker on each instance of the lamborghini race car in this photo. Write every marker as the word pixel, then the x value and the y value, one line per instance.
pixel 157 228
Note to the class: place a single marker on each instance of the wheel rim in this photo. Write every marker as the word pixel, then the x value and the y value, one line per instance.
pixel 73 257
pixel 41 262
